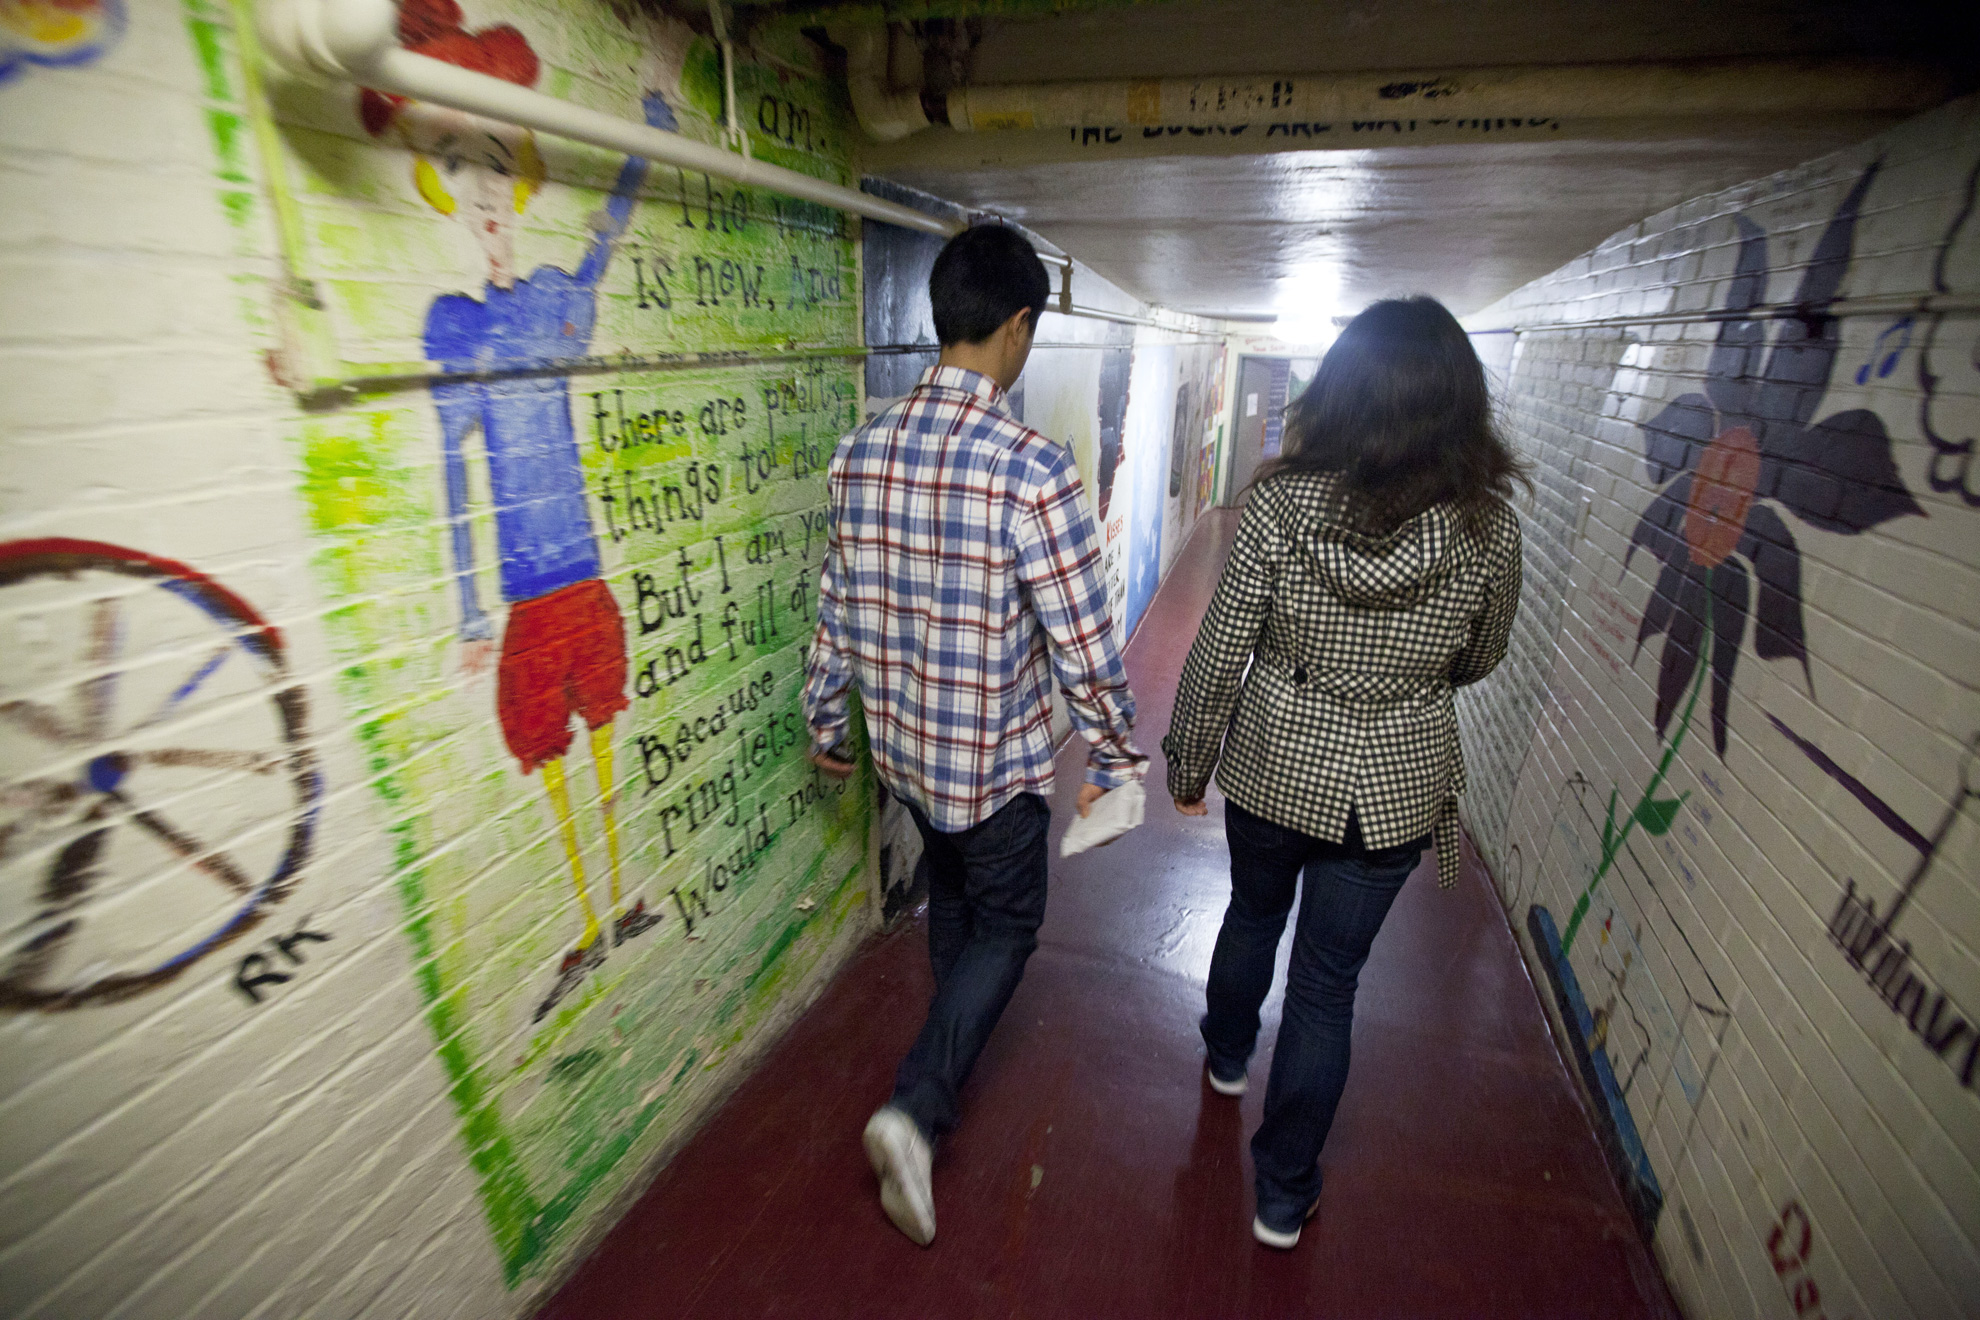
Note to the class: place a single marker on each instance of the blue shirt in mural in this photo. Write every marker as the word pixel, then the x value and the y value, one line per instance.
pixel 542 525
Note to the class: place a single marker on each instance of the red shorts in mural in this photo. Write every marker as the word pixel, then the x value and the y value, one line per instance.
pixel 562 654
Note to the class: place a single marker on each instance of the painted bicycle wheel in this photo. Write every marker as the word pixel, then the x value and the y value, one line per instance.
pixel 159 793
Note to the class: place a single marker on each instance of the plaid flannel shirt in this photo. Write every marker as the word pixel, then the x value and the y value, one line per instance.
pixel 1320 681
pixel 962 570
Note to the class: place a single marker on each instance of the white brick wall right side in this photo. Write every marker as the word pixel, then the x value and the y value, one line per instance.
pixel 1802 1107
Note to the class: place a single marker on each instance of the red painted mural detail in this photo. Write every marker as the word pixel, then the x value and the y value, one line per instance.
pixel 1789 1247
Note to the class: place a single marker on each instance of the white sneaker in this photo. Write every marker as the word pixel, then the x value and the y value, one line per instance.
pixel 903 1159
pixel 1236 1086
pixel 1272 1237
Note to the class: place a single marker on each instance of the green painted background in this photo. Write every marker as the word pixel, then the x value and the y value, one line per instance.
pixel 558 1115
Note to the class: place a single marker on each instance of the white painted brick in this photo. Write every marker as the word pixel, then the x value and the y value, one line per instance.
pixel 187 1151
pixel 1822 1094
pixel 176 1134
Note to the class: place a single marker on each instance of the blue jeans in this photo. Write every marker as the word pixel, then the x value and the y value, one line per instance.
pixel 1348 893
pixel 986 900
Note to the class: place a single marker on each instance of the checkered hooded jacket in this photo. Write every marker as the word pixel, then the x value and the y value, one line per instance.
pixel 1320 681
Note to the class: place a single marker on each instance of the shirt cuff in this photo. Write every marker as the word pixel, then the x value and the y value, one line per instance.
pixel 1187 796
pixel 1182 777
pixel 1112 775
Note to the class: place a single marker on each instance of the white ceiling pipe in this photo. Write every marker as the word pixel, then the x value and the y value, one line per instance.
pixel 885 115
pixel 1587 91
pixel 358 41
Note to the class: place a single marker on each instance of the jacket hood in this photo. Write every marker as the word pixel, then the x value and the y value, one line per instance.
pixel 1397 571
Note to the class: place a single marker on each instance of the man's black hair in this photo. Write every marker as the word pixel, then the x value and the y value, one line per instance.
pixel 983 277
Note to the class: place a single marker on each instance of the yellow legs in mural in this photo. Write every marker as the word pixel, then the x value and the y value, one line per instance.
pixel 590 950
pixel 560 802
pixel 625 924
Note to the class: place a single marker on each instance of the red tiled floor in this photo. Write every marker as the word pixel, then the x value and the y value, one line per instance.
pixel 1094 1175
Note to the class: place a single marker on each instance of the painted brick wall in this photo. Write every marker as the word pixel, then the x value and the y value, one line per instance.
pixel 303 1009
pixel 1729 764
pixel 316 757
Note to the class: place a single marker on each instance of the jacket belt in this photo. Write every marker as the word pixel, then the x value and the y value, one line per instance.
pixel 1445 834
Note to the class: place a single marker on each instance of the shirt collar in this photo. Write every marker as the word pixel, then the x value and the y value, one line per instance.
pixel 965 381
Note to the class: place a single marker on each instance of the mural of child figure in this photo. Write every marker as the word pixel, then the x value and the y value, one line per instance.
pixel 563 651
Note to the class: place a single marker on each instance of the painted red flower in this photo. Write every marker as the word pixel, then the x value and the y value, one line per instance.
pixel 1729 461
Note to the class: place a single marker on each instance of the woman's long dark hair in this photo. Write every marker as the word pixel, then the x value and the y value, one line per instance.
pixel 1400 411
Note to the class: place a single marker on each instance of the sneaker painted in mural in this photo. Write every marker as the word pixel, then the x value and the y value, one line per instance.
pixel 903 1159
pixel 635 922
pixel 573 969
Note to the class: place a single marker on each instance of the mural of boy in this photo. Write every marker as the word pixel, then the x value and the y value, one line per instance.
pixel 563 649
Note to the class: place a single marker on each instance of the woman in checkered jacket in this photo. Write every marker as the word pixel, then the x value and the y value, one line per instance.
pixel 1376 568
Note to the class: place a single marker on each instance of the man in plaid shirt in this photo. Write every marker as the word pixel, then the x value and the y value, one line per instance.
pixel 962 572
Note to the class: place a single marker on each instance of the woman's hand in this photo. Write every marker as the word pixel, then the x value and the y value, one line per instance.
pixel 1196 808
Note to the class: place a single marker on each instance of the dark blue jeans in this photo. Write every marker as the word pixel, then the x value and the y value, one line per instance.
pixel 1348 893
pixel 986 900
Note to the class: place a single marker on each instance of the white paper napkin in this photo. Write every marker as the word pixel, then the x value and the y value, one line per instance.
pixel 1117 812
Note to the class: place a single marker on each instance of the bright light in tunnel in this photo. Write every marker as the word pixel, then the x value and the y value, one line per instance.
pixel 1307 303
pixel 1314 330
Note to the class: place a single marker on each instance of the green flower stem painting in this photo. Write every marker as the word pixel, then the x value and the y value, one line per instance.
pixel 1655 814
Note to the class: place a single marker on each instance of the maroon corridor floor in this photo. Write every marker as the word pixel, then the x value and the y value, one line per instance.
pixel 1095 1175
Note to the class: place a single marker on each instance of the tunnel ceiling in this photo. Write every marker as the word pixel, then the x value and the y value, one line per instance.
pixel 1466 221
pixel 1466 224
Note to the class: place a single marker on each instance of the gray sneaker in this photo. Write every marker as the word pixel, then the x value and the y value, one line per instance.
pixel 903 1159
pixel 1272 1237
pixel 1223 1085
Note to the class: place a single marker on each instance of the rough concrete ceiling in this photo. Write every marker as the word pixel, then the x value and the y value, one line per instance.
pixel 1466 223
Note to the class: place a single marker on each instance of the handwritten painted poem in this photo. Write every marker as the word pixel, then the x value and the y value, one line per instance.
pixel 572 580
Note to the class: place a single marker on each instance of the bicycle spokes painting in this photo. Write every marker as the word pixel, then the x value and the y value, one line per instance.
pixel 171 794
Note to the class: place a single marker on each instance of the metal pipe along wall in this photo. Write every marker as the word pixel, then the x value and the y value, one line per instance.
pixel 357 41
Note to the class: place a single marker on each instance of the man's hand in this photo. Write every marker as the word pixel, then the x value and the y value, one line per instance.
pixel 1088 795
pixel 1196 808
pixel 832 765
